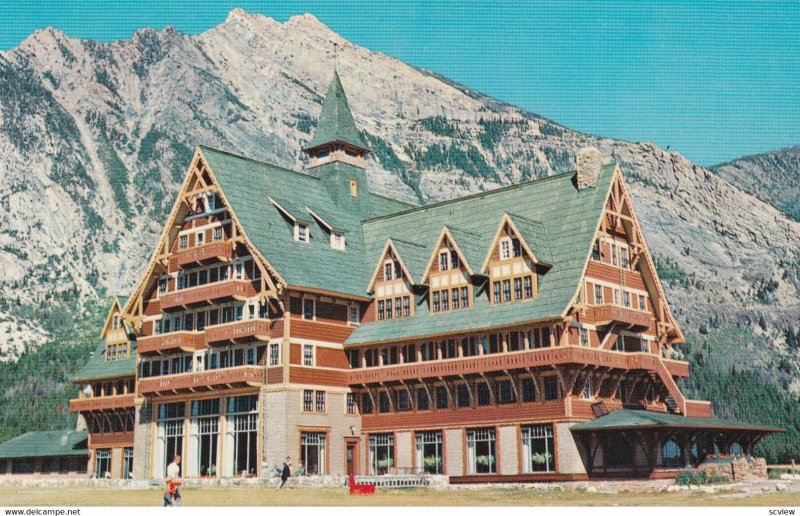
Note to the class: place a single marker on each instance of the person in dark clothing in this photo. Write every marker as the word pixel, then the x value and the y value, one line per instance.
pixel 285 474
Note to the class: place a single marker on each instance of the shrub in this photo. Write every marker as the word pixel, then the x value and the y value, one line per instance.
pixel 699 478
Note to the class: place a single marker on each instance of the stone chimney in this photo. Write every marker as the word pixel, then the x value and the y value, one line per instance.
pixel 589 162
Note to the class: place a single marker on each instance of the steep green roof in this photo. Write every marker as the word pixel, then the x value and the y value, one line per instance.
pixel 472 245
pixel 535 234
pixel 566 221
pixel 627 419
pixel 414 256
pixel 51 443
pixel 335 122
pixel 248 184
pixel 98 367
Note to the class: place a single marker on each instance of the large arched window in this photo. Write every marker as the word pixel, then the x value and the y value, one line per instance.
pixel 671 455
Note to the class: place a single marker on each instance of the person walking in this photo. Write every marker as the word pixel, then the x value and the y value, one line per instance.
pixel 285 474
pixel 172 495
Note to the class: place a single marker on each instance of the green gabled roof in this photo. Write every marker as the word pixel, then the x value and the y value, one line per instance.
pixel 569 216
pixel 335 122
pixel 382 205
pixel 472 245
pixel 295 210
pixel 51 443
pixel 414 256
pixel 99 368
pixel 248 184
pixel 535 235
pixel 328 218
pixel 631 419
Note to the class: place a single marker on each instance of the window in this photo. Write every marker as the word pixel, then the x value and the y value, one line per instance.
pixel 398 310
pixel 204 438
pixel 462 395
pixel 102 463
pixel 355 314
pixel 423 400
pixel 642 302
pixel 406 306
pixel 218 233
pixel 596 251
pixel 550 388
pixel 308 309
pixel 183 241
pixel 320 405
pixel 366 404
pixel 436 301
pixel 613 254
pixel 481 454
pixel 430 452
pixel 127 463
pixel 441 398
pixel 587 389
pixel 538 450
pixel 517 288
pixel 443 260
pixel 445 300
pixel 381 453
pixel 274 354
pixel 528 390
pixel 301 232
pixel 162 285
pixel 624 258
pixel 308 399
pixel 354 358
pixel 387 271
pixel 516 246
pixel 337 241
pixel 505 392
pixel 383 402
pixel 584 334
pixel 464 297
pixel 506 290
pixel 403 400
pixel 199 238
pixel 388 308
pixel 381 310
pixel 454 264
pixel 496 291
pixel 308 355
pixel 616 296
pixel 505 249
pixel 312 452
pixel 455 299
pixel 484 397
pixel 351 403
pixel 528 280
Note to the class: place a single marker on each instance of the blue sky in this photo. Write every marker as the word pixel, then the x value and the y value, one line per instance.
pixel 714 80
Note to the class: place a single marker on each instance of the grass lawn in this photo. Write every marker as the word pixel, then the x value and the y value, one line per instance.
pixel 261 496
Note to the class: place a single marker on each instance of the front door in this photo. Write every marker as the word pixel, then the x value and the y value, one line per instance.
pixel 350 458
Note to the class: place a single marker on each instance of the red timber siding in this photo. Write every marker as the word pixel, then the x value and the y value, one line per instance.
pixel 329 357
pixel 493 414
pixel 101 403
pixel 295 351
pixel 110 439
pixel 152 306
pixel 616 275
pixel 331 312
pixel 274 375
pixel 315 330
pixel 315 376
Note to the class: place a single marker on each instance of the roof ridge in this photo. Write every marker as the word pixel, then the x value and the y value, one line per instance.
pixel 258 161
pixel 392 199
pixel 449 227
pixel 523 217
pixel 393 239
pixel 475 195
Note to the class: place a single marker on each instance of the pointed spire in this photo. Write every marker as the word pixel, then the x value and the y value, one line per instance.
pixel 336 124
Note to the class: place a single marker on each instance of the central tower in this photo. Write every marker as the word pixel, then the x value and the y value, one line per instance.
pixel 337 151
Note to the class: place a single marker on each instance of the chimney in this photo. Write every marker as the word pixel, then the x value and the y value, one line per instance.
pixel 589 162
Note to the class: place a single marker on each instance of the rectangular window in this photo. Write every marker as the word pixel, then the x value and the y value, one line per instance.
pixel 616 296
pixel 505 249
pixel 337 241
pixel 389 312
pixel 383 402
pixel 528 390
pixel 308 309
pixel 445 300
pixel 366 404
pixel 481 451
pixel 496 291
pixel 406 306
pixel 387 271
pixel 351 403
pixel 642 302
pixel 538 450
pixel 436 301
pixel 516 246
pixel 423 400
pixel 506 290
pixel 312 452
pixel 381 310
pixel 528 286
pixel 274 354
pixel 455 299
pixel 624 255
pixel 308 399
pixel 596 251
pixel 464 297
pixel 462 395
pixel 308 355
pixel 441 398
pixel 301 232
pixel 381 453
pixel 199 238
pixel 619 343
pixel 398 310
pixel 443 261
pixel 584 333
pixel 587 389
pixel 613 254
pixel 162 285
pixel 102 465
pixel 218 233
pixel 598 294
pixel 429 452
pixel 403 400
pixel 550 388
pixel 320 405
pixel 355 314
pixel 517 288
pixel 505 392
pixel 454 264
pixel 626 299
pixel 484 397
pixel 183 241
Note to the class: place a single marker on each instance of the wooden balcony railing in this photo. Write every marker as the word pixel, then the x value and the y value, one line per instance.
pixel 101 403
pixel 677 368
pixel 606 314
pixel 183 340
pixel 206 380
pixel 697 408
pixel 239 330
pixel 506 361
pixel 111 438
pixel 236 289
pixel 222 251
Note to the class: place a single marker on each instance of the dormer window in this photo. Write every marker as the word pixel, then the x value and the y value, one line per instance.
pixel 353 188
pixel 516 246
pixel 505 249
pixel 337 241
pixel 387 271
pixel 301 232
pixel 443 260
pixel 117 324
pixel 454 264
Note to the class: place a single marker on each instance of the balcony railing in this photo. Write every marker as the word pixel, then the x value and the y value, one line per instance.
pixel 239 330
pixel 182 340
pixel 236 289
pixel 606 314
pixel 210 252
pixel 101 403
pixel 505 361
pixel 205 380
pixel 697 408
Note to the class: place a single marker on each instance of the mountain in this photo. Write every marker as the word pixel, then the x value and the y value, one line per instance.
pixel 773 177
pixel 95 138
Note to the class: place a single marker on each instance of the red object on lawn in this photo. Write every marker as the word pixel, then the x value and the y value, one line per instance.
pixel 172 487
pixel 360 489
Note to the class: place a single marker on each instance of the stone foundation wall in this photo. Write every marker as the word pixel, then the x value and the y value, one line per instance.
pixel 738 470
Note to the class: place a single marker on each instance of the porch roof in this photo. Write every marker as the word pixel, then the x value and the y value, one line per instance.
pixel 623 419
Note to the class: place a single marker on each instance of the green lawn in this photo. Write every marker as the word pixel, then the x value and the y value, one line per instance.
pixel 266 496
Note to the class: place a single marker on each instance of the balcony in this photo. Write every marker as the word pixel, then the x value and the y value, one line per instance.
pixel 241 376
pixel 544 357
pixel 101 403
pixel 218 251
pixel 179 340
pixel 230 289
pixel 237 331
pixel 607 314
pixel 677 368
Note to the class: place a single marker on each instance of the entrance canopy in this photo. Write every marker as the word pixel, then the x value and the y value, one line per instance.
pixel 625 419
